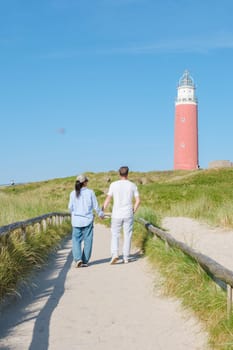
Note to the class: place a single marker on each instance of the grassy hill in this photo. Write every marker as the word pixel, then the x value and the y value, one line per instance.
pixel 202 194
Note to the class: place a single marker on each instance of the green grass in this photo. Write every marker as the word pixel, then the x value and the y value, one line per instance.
pixel 18 257
pixel 206 195
pixel 22 202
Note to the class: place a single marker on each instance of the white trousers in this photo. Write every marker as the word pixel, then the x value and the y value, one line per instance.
pixel 116 225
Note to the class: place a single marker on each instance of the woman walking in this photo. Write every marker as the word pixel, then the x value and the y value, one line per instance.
pixel 81 205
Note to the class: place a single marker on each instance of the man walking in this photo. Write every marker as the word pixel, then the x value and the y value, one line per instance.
pixel 125 203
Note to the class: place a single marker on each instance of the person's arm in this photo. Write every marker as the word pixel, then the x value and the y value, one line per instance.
pixel 136 204
pixel 106 202
pixel 70 205
pixel 96 207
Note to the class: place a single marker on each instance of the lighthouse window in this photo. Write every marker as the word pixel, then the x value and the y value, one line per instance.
pixel 182 119
pixel 182 145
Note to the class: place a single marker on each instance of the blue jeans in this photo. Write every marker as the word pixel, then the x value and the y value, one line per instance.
pixel 82 235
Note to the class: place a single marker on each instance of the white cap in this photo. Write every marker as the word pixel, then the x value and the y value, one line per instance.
pixel 82 178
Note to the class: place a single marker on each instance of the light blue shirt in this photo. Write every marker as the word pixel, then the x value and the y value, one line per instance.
pixel 81 207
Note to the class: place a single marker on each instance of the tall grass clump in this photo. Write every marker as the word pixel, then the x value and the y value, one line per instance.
pixel 18 207
pixel 140 235
pixel 182 277
pixel 18 257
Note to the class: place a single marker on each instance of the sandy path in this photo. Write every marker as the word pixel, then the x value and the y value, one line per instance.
pixel 99 307
pixel 214 242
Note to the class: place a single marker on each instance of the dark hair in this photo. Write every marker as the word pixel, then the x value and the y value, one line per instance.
pixel 78 186
pixel 123 171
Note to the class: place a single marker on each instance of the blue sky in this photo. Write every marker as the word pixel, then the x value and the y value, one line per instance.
pixel 90 85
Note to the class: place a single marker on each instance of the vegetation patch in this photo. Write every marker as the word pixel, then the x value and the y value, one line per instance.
pixel 18 256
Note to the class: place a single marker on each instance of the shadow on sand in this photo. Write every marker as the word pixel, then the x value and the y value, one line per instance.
pixel 133 257
pixel 47 288
pixel 26 309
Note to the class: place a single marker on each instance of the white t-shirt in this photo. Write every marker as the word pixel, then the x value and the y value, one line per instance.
pixel 123 192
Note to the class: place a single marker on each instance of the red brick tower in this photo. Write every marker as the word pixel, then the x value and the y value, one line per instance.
pixel 186 125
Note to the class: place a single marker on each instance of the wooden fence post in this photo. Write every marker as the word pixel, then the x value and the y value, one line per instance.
pixel 229 300
pixel 44 224
pixel 38 227
pixel 23 231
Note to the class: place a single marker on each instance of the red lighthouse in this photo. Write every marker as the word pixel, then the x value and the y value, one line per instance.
pixel 186 125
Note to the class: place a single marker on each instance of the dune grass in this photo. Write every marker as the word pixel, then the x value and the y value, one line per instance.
pixel 206 195
pixel 22 202
pixel 19 257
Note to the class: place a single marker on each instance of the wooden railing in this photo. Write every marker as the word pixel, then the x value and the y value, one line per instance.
pixel 212 267
pixel 41 221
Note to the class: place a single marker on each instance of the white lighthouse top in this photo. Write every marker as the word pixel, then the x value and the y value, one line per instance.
pixel 186 79
pixel 186 90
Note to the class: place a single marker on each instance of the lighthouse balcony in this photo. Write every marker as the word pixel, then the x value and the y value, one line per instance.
pixel 186 100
